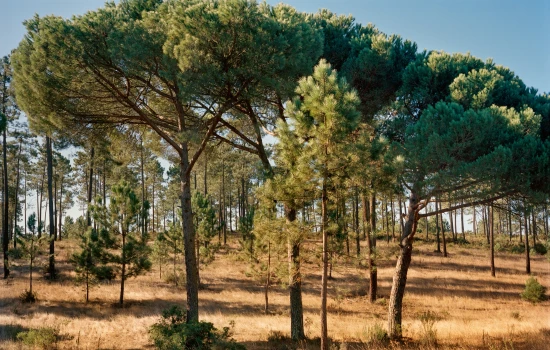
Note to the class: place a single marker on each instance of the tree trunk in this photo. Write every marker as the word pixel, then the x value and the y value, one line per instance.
pixel 59 230
pixel 324 331
pixel 367 229
pixel 88 214
pixel 462 223
pixel 15 219
pixel 123 273
pixel 401 269
pixel 268 278
pixel 474 221
pixel 192 282
pixel 443 234
pixel 492 238
pixel 373 285
pixel 527 257
pixel 295 282
pixel 5 207
pixel 437 229
pixel 357 237
pixel 51 265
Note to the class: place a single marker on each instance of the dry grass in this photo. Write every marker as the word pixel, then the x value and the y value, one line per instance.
pixel 473 310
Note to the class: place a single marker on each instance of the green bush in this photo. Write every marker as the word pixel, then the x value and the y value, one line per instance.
pixel 540 248
pixel 44 338
pixel 173 333
pixel 534 291
pixel 518 248
pixel 376 335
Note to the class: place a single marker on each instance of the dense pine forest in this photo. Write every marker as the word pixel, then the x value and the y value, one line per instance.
pixel 242 165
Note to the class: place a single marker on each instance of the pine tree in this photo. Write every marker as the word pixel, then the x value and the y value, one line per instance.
pixel 322 120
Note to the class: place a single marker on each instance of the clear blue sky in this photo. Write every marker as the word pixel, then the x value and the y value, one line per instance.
pixel 515 33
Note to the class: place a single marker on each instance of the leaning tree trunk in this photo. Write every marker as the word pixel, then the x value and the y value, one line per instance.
pixel 401 269
pixel 191 269
pixel 51 265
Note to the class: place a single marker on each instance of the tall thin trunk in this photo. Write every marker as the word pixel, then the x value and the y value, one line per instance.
pixel 60 208
pixel 451 222
pixel 356 211
pixel 437 229
pixel 462 222
pixel 142 165
pixel 509 215
pixel 88 214
pixel 371 266
pixel 51 265
pixel 443 234
pixel 15 218
pixel 527 257
pixel 492 238
pixel 5 198
pixel 324 331
pixel 268 278
pixel 123 273
pixel 474 221
pixel 392 219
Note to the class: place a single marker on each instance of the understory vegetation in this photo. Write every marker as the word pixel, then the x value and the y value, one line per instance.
pixel 175 152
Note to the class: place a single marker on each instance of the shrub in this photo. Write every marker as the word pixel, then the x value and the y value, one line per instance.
pixel 28 297
pixel 376 335
pixel 43 338
pixel 429 333
pixel 173 333
pixel 534 291
pixel 540 248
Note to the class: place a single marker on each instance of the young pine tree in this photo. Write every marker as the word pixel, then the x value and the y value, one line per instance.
pixel 122 224
pixel 321 122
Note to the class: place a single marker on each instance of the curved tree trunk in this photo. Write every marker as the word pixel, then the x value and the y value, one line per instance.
pixel 401 269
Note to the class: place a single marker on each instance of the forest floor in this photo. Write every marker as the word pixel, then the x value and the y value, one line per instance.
pixel 468 308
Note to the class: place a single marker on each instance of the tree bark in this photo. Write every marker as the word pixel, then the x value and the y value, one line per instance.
pixel 51 265
pixel 324 331
pixel 295 282
pixel 527 257
pixel 492 239
pixel 192 282
pixel 401 269
pixel 88 214
pixel 5 199
pixel 123 273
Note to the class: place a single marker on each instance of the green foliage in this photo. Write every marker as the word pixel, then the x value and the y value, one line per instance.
pixel 376 335
pixel 207 226
pixel 173 333
pixel 43 338
pixel 91 261
pixel 534 291
pixel 540 248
